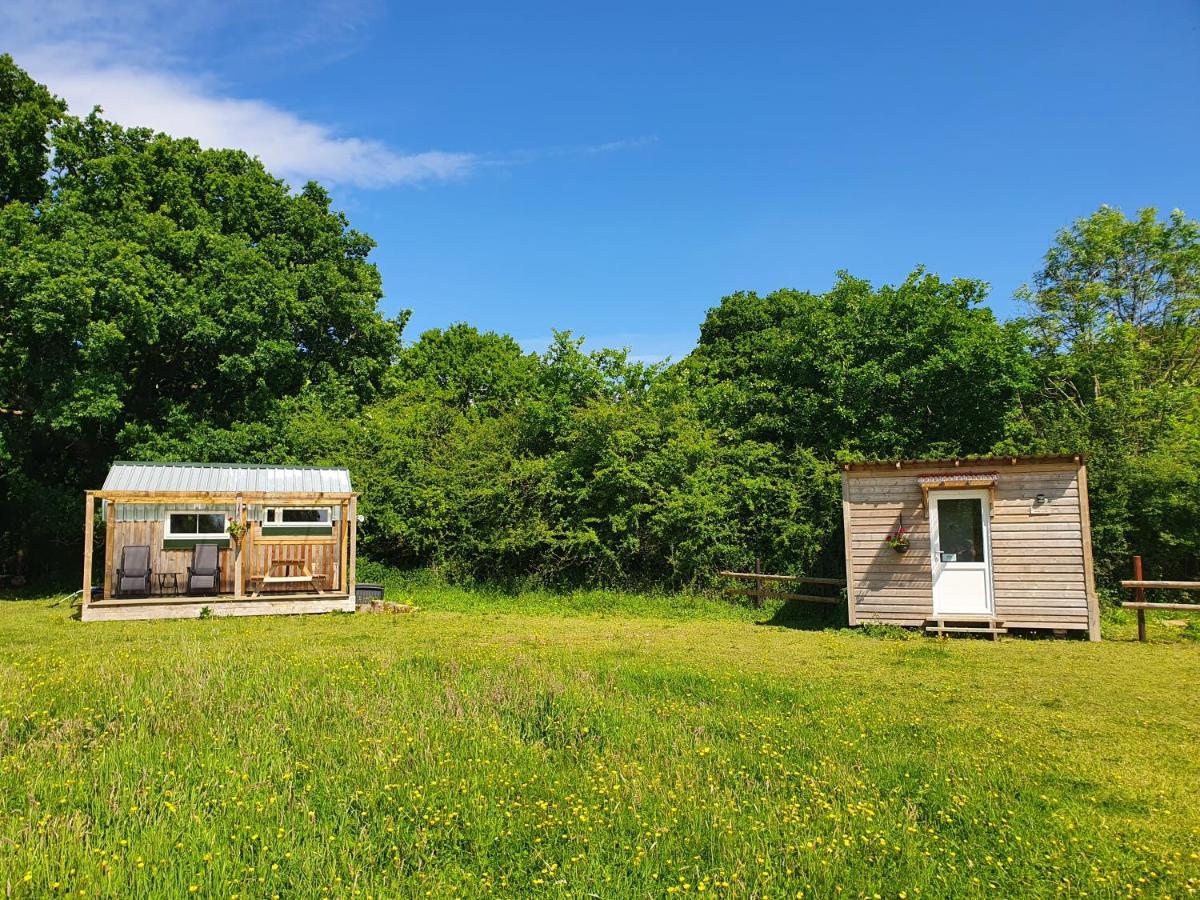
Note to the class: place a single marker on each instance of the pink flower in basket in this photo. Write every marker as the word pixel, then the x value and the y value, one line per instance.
pixel 898 539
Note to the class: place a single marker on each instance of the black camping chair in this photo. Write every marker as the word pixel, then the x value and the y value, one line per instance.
pixel 204 574
pixel 133 575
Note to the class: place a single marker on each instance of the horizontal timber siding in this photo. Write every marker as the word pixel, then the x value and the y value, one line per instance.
pixel 166 557
pixel 1038 551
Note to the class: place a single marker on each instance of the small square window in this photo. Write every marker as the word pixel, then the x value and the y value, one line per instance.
pixel 210 523
pixel 183 523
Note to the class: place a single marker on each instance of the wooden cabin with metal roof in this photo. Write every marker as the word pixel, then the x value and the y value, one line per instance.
pixel 970 545
pixel 232 539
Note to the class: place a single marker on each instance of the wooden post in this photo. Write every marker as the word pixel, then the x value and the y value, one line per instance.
pixel 343 548
pixel 758 584
pixel 238 547
pixel 1139 594
pixel 89 514
pixel 1089 575
pixel 353 577
pixel 848 537
pixel 110 531
pixel 251 555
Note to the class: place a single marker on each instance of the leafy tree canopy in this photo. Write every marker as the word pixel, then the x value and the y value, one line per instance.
pixel 467 368
pixel 915 369
pixel 27 113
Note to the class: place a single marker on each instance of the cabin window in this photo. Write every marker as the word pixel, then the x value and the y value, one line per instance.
pixel 196 525
pixel 960 530
pixel 314 517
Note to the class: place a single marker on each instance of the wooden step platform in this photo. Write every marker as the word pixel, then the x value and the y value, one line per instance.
pixel 943 625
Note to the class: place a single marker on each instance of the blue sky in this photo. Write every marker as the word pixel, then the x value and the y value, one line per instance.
pixel 616 168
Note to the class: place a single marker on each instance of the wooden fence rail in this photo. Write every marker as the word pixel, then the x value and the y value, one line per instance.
pixel 762 591
pixel 1139 603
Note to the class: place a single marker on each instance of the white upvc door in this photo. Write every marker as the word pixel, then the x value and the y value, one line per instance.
pixel 961 541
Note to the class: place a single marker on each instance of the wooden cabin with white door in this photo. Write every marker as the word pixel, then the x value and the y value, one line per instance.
pixel 970 545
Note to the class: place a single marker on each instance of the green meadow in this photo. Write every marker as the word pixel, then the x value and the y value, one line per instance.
pixel 590 745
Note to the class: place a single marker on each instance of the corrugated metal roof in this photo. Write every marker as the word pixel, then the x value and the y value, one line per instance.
pixel 231 477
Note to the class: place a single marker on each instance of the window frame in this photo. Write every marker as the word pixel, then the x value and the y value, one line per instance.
pixel 196 536
pixel 325 524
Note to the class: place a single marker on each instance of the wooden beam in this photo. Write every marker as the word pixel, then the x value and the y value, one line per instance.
pixel 1089 577
pixel 250 551
pixel 1186 607
pixel 239 547
pixel 344 540
pixel 225 497
pixel 89 517
pixel 110 531
pixel 779 595
pixel 800 578
pixel 1061 460
pixel 1165 585
pixel 353 579
pixel 847 536
pixel 299 540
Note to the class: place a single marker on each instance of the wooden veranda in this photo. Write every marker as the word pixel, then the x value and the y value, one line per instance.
pixel 264 569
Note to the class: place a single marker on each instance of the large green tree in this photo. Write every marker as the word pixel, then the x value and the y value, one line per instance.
pixel 467 368
pixel 161 299
pixel 1115 327
pixel 914 369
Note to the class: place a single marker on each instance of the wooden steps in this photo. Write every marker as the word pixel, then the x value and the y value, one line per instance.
pixel 944 625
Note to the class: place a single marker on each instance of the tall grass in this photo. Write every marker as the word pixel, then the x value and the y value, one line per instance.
pixel 447 753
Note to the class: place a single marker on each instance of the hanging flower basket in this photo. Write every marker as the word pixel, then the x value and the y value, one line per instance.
pixel 898 539
pixel 235 529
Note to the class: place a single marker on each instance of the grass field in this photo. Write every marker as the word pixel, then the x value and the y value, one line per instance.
pixel 664 747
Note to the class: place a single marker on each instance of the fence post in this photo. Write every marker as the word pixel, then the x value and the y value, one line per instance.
pixel 1139 595
pixel 758 584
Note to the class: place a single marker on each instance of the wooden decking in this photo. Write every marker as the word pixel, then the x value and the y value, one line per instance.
pixel 225 605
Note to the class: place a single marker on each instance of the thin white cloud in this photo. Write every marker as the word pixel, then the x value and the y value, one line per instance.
pixel 637 143
pixel 523 157
pixel 121 57
pixel 290 147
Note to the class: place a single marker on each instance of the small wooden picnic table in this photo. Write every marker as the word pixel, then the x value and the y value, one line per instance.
pixel 278 572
